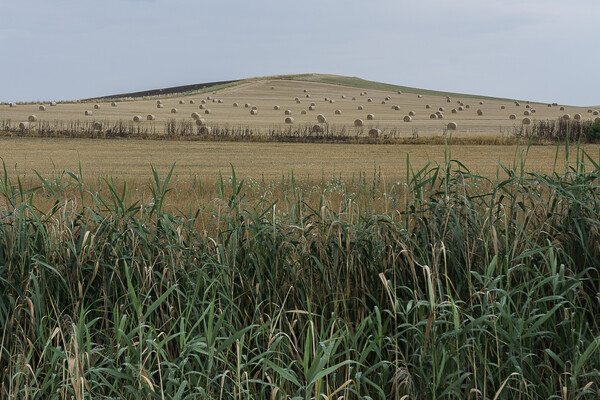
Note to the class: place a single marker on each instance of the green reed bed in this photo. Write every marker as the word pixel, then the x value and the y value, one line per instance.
pixel 445 285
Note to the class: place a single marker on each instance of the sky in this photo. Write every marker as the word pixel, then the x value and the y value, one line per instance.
pixel 537 50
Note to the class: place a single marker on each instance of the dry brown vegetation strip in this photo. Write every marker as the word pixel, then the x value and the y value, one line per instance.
pixel 131 159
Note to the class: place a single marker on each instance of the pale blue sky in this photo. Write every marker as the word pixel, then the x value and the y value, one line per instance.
pixel 540 50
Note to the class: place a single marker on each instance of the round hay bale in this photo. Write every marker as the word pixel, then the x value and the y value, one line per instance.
pixel 374 132
pixel 305 90
pixel 202 107
pixel 590 111
pixel 447 100
pixel 461 108
pixel 338 112
pixel 369 100
pixel 235 104
pixel 247 105
pixel 205 130
pixel 220 101
pixel 549 105
pixel 396 107
pixel 407 118
pixel 173 111
pixel 297 101
pixel 532 111
pixel 527 106
pixel 411 113
pixel 254 107
pixel 308 96
pixel 566 117
pixel 358 122
pixel 253 112
pixel 52 104
pixel 209 98
pixel 440 115
pixel 318 128
pixel 502 107
pixel 207 111
pixel 370 117
pixel 276 108
pixel 441 109
pixel 362 93
pixel 160 105
pixel 321 118
pixel 354 98
pixel 433 116
pixel 331 101
pixel 303 112
pixel 595 112
pixel 359 107
pixel 313 104
pixel 192 101
pixel 195 115
pixel 480 112
pixel 96 106
pixel 467 106
pixel 562 109
pixel 577 117
pixel 158 101
pixel 289 120
pixel 452 126
pixel 343 97
pixel 555 104
pixel 181 102
pixel 42 108
pixel 23 125
pixel 512 116
pixel 13 105
pixel 288 112
pixel 200 122
pixel 215 100
pixel 419 96
pixel 326 99
pixel 88 112
pixel 384 102
pixel 98 126
pixel 32 118
pixel 427 106
pixel 137 118
pixel 399 91
pixel 311 108
pixel 481 102
pixel 296 98
pixel 526 121
pixel 388 98
pixel 526 112
pixel 202 101
pixel 150 117
pixel 454 111
pixel 113 104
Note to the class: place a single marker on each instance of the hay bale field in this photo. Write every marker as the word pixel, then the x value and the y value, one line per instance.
pixel 490 121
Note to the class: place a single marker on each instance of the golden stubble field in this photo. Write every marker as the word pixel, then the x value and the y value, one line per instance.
pixel 290 95
pixel 131 160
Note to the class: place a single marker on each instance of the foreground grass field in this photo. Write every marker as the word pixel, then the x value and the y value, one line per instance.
pixel 442 285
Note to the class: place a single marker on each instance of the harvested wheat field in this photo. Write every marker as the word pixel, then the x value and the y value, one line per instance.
pixel 268 102
pixel 132 159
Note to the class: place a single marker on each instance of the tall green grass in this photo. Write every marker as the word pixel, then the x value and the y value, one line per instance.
pixel 445 285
